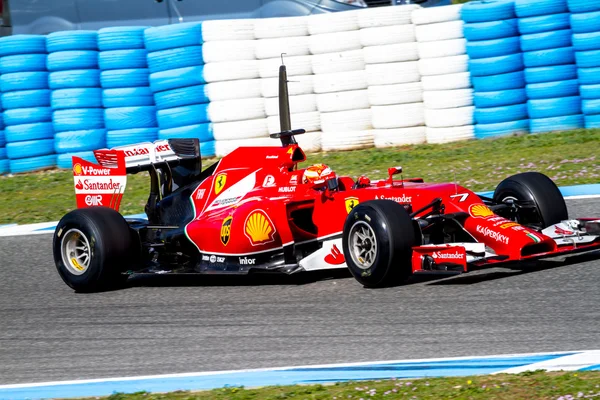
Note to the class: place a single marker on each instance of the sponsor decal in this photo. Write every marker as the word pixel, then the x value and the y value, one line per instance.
pixel 77 169
pixel 213 258
pixel 294 180
pixel 200 194
pixel 95 200
pixel 290 150
pixel 487 232
pixel 533 237
pixel 508 225
pixel 269 181
pixel 259 228
pixel 272 157
pixel 226 230
pixel 287 189
pixel 350 203
pixel 440 255
pixel 234 193
pixel 461 197
pixel 79 185
pixel 247 261
pixel 220 181
pixel 143 151
pixel 85 170
pixel 335 257
pixel 106 185
pixel 480 211
pixel 76 264
pixel 560 231
pixel 398 199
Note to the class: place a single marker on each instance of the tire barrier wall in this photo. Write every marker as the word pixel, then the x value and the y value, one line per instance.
pixel 380 77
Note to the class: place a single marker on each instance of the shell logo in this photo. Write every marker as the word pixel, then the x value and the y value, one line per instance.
pixel 77 169
pixel 480 211
pixel 259 228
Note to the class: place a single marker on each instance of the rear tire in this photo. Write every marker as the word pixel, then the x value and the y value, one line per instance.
pixel 377 240
pixel 93 248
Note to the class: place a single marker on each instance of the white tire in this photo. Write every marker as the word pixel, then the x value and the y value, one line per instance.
pixel 300 84
pixel 340 82
pixel 343 121
pixel 309 121
pixel 297 65
pixel 389 53
pixel 444 65
pixel 386 16
pixel 399 137
pixel 347 140
pixel 334 42
pixel 265 28
pixel 229 50
pixel 440 99
pixel 332 22
pixel 387 35
pixel 342 101
pixel 352 60
pixel 461 80
pixel 228 29
pixel 240 129
pixel 224 147
pixel 236 110
pixel 451 117
pixel 392 73
pixel 401 93
pixel 310 142
pixel 441 31
pixel 434 15
pixel 398 116
pixel 273 48
pixel 298 104
pixel 231 90
pixel 448 135
pixel 442 48
pixel 230 70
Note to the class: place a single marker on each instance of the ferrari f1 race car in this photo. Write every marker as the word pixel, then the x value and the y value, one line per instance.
pixel 257 210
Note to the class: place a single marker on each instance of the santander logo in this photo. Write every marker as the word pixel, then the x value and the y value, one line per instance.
pixel 448 256
pixel 335 257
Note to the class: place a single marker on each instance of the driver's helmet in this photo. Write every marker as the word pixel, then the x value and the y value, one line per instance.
pixel 318 175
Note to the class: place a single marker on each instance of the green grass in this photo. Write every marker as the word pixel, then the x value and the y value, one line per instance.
pixel 528 385
pixel 568 158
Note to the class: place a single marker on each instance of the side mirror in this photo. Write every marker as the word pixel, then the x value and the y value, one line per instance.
pixel 393 171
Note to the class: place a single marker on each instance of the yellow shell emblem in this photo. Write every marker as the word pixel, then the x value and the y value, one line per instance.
pixel 259 228
pixel 220 181
pixel 480 210
pixel 508 225
pixel 77 169
pixel 351 202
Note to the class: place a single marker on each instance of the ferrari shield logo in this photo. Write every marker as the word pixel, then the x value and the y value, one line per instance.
pixel 220 181
pixel 226 230
pixel 351 202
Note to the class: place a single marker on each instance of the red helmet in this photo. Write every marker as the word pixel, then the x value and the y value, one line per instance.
pixel 317 175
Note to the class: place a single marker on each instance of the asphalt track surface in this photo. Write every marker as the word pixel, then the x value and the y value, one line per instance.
pixel 166 324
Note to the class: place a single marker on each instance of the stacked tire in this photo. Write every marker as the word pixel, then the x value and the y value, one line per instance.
pixel 130 113
pixel 4 166
pixel 585 24
pixel 552 87
pixel 496 65
pixel 176 67
pixel 394 92
pixel 443 66
pixel 340 81
pixel 76 99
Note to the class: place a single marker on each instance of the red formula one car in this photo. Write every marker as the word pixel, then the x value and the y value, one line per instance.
pixel 257 210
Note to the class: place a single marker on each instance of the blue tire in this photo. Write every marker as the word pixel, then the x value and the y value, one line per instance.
pixel 181 97
pixel 175 58
pixel 130 117
pixel 31 148
pixel 491 30
pixel 207 149
pixel 124 137
pixel 590 107
pixel 25 132
pixel 32 164
pixel 494 48
pixel 2 139
pixel 592 121
pixel 546 23
pixel 584 23
pixel 122 78
pixel 23 81
pixel 528 8
pixel 549 57
pixel 65 161
pixel 588 59
pixel 557 124
pixel 121 38
pixel 177 78
pixel 586 41
pixel 23 63
pixel 588 92
pixel 3 154
pixel 123 59
pixel 546 40
pixel 551 74
pixel 547 90
pixel 182 116
pixel 72 40
pixel 583 6
pixel 128 97
pixel 483 131
pixel 484 11
pixel 74 141
pixel 496 115
pixel 496 65
pixel 589 76
pixel 26 99
pixel 203 132
pixel 499 98
pixel 76 98
pixel 4 166
pixel 82 78
pixel 173 36
pixel 20 116
pixel 78 119
pixel 72 59
pixel 512 80
pixel 558 107
pixel 22 44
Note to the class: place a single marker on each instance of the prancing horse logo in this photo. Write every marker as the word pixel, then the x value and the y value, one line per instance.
pixel 220 181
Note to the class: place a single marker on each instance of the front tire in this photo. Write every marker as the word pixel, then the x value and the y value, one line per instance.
pixel 92 249
pixel 377 240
